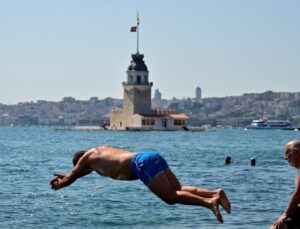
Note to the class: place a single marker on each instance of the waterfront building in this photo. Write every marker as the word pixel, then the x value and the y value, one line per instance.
pixel 137 113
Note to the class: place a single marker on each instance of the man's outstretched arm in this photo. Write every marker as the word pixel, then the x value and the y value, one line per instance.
pixel 61 181
pixel 80 170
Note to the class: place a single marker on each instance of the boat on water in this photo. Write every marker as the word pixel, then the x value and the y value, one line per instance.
pixel 265 124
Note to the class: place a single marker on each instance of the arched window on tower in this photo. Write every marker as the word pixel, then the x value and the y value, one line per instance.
pixel 138 80
pixel 130 79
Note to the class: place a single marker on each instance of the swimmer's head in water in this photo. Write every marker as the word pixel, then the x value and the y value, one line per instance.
pixel 77 156
pixel 227 160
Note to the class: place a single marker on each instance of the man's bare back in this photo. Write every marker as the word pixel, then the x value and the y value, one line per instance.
pixel 110 162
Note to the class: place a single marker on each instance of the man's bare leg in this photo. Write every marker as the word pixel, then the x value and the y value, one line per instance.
pixel 225 203
pixel 164 188
pixel 187 198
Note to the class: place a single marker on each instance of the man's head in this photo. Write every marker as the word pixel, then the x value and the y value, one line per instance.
pixel 77 156
pixel 292 153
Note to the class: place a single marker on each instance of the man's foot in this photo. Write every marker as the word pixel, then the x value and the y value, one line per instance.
pixel 225 203
pixel 215 209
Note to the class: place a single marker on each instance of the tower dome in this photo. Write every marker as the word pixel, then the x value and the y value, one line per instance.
pixel 137 63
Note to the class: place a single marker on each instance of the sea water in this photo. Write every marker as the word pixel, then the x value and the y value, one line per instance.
pixel 29 156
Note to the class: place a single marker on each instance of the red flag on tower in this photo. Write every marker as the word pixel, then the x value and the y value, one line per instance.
pixel 133 29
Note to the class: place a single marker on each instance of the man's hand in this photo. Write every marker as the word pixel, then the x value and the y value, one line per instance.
pixel 279 224
pixel 56 182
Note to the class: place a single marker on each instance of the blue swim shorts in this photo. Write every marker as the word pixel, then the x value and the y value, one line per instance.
pixel 145 165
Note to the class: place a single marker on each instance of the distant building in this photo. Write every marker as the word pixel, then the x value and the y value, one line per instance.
pixel 94 100
pixel 157 95
pixel 157 102
pixel 198 93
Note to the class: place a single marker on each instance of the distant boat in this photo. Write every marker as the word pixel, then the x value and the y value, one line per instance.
pixel 265 124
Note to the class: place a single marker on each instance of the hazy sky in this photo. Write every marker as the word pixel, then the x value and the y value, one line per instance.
pixel 82 48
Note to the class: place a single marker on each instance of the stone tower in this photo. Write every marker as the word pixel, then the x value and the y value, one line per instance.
pixel 137 88
pixel 137 113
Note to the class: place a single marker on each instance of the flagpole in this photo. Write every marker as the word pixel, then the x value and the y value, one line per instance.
pixel 137 23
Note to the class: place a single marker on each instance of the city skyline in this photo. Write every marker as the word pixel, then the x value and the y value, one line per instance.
pixel 51 50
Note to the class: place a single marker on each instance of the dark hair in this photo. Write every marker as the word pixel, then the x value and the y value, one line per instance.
pixel 77 156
